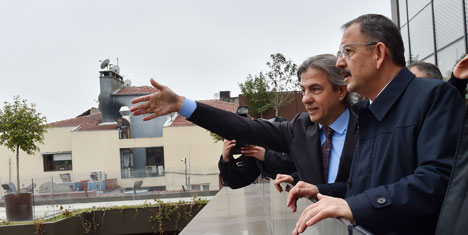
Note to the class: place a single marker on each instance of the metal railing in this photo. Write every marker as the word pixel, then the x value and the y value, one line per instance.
pixel 70 190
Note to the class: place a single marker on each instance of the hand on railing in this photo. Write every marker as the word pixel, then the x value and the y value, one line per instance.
pixel 325 207
pixel 302 189
pixel 284 179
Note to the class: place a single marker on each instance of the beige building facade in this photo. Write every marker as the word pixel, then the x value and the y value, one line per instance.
pixel 91 147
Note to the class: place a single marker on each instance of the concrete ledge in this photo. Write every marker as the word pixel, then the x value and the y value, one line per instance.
pixel 120 197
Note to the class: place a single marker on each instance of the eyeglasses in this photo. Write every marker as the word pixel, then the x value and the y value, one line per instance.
pixel 343 52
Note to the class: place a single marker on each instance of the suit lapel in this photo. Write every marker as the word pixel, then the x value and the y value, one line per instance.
pixel 314 159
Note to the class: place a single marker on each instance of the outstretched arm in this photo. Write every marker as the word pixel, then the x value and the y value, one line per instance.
pixel 224 123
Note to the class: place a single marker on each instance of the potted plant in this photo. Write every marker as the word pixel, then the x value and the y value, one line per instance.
pixel 21 128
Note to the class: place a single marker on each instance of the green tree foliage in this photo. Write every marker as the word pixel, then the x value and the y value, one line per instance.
pixel 255 90
pixel 279 79
pixel 216 137
pixel 22 127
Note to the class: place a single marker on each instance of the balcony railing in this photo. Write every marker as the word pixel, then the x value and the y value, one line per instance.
pixel 259 209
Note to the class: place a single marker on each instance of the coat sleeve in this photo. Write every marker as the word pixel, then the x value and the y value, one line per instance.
pixel 274 136
pixel 295 177
pixel 337 189
pixel 238 173
pixel 460 84
pixel 417 198
pixel 277 163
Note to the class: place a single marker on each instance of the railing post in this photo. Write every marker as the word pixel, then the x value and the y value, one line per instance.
pixel 53 193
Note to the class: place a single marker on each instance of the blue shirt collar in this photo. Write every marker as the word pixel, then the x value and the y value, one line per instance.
pixel 340 125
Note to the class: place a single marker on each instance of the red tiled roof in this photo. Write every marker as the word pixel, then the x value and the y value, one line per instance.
pixel 92 121
pixel 86 123
pixel 133 90
pixel 231 107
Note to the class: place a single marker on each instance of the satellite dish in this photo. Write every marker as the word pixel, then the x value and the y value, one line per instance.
pixel 105 63
pixel 127 83
pixel 115 69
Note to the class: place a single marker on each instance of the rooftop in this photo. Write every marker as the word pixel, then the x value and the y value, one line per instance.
pixel 91 119
pixel 85 123
pixel 132 90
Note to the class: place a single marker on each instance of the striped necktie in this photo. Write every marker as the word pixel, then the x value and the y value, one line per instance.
pixel 326 149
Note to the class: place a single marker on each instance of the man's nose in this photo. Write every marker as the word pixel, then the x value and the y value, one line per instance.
pixel 307 98
pixel 340 62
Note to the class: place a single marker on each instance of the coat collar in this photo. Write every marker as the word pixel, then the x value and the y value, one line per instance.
pixel 391 94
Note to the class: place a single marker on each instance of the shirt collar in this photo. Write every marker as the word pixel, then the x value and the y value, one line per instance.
pixel 340 125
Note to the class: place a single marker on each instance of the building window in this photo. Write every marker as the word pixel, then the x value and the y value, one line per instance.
pixel 155 161
pixel 142 162
pixel 57 162
pixel 200 187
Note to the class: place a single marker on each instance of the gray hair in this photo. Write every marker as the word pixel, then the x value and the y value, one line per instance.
pixel 327 63
pixel 430 70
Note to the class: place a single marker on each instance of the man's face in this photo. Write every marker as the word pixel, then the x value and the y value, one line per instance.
pixel 323 104
pixel 358 66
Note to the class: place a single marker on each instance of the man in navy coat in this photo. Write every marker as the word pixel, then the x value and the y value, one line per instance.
pixel 407 138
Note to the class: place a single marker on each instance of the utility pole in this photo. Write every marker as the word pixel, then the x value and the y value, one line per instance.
pixel 185 163
pixel 9 170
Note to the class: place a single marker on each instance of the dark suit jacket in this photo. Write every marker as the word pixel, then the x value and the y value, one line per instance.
pixel 402 163
pixel 300 138
pixel 242 171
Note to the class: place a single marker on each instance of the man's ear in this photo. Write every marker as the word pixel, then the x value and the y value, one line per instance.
pixel 343 91
pixel 381 54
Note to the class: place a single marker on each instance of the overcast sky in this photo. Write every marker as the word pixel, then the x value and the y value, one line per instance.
pixel 50 49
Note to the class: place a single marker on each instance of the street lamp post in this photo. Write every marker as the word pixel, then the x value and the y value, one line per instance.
pixel 185 163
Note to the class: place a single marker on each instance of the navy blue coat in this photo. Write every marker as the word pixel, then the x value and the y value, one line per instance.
pixel 406 147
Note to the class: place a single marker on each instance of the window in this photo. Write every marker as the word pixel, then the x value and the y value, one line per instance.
pixel 142 162
pixel 57 162
pixel 155 156
pixel 200 187
pixel 155 161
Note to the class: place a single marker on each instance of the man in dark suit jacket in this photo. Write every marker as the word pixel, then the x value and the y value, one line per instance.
pixel 407 137
pixel 326 101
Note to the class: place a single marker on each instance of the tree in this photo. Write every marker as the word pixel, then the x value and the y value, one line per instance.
pixel 216 137
pixel 279 79
pixel 22 127
pixel 255 91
